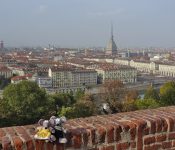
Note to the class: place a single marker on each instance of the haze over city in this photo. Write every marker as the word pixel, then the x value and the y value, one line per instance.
pixel 86 23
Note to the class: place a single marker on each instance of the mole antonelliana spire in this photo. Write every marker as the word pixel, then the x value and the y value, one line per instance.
pixel 111 48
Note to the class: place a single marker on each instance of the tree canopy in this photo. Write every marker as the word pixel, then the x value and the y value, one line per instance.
pixel 82 108
pixel 24 102
pixel 167 93
pixel 146 103
pixel 114 93
pixel 151 93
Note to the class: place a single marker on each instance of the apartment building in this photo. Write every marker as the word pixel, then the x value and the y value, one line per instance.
pixel 72 79
pixel 125 74
pixel 122 61
pixel 44 82
pixel 143 66
pixel 166 69
pixel 81 62
pixel 5 72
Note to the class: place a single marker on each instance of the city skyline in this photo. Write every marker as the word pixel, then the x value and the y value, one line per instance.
pixel 83 23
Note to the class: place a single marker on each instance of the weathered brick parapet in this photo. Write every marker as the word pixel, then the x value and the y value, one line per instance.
pixel 138 130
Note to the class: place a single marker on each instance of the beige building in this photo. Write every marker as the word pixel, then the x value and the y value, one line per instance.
pixel 117 72
pixel 122 61
pixel 144 66
pixel 71 79
pixel 5 72
pixel 17 70
pixel 167 70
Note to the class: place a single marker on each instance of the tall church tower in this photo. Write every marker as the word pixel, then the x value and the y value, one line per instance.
pixel 1 45
pixel 111 48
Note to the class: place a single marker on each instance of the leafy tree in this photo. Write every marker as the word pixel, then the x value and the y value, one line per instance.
pixel 146 103
pixel 68 112
pixel 61 100
pixel 167 93
pixel 151 93
pixel 24 103
pixel 83 108
pixel 132 95
pixel 114 94
pixel 129 105
pixel 79 94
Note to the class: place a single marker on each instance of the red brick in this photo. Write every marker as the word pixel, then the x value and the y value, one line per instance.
pixel 157 121
pixel 85 137
pixel 133 133
pixel 161 138
pixel 31 129
pixel 11 131
pixel 93 149
pixel 152 121
pixel 153 147
pixel 123 146
pixel 158 124
pixel 17 143
pixel 173 143
pixel 171 136
pixel 132 129
pixel 166 145
pixel 117 133
pixel 49 146
pixel 153 126
pixel 69 137
pixel 133 144
pixel 6 143
pixel 171 124
pixel 110 134
pixel 108 148
pixel 141 125
pixel 101 133
pixel 149 140
pixel 2 133
pixel 27 139
pixel 59 146
pixel 140 138
pixel 39 144
pixel 76 138
pixel 124 126
pixel 77 141
pixel 90 135
pixel 146 131
pixel 164 125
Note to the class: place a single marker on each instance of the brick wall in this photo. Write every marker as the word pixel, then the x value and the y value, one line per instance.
pixel 139 130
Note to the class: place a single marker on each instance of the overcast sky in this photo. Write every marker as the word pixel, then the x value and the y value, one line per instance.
pixel 86 23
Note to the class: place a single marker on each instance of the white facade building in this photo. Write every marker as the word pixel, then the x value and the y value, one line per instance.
pixel 122 61
pixel 167 70
pixel 69 79
pixel 5 72
pixel 123 73
pixel 44 82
